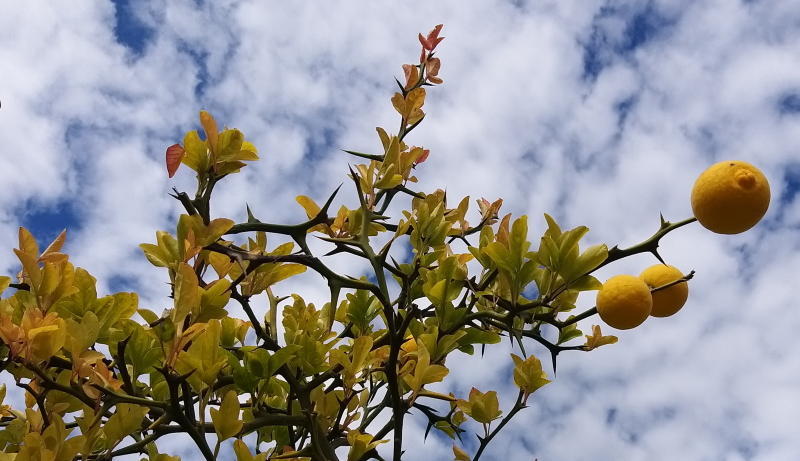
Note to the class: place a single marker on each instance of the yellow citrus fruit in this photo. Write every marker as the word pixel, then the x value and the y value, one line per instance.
pixel 730 197
pixel 668 301
pixel 624 302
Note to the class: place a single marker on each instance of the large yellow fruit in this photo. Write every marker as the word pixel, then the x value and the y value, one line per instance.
pixel 730 197
pixel 624 302
pixel 670 300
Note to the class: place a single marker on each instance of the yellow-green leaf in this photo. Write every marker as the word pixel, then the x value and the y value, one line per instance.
pixel 482 407
pixel 460 455
pixel 424 372
pixel 31 267
pixel 27 244
pixel 311 207
pixel 196 156
pixel 5 282
pixel 500 255
pixel 226 420
pixel 155 255
pixel 186 293
pixel 229 145
pixel 216 229
pixel 126 419
pixel 528 374
pixel 242 451
pixel 360 444
pixel 597 339
pixel 57 244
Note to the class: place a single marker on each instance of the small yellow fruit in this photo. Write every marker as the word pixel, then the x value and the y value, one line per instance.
pixel 624 302
pixel 730 197
pixel 670 300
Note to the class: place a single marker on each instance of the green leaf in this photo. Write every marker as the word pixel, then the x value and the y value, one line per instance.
pixel 518 242
pixel 460 455
pixel 586 262
pixel 213 300
pixel 569 332
pixel 585 283
pixel 84 298
pixel 477 336
pixel 216 229
pixel 570 239
pixel 482 407
pixel 230 167
pixel 354 362
pixel 155 254
pixel 5 281
pixel 31 268
pixel 80 336
pixel 169 245
pixel 142 351
pixel 243 376
pixel 242 451
pixel 187 294
pixel 362 308
pixel 528 374
pixel 280 273
pixel 447 344
pixel 27 244
pixel 424 372
pixel 552 228
pixel 596 339
pixel 500 255
pixel 196 156
pixel 125 420
pixel 552 252
pixel 205 349
pixel 148 315
pixel 360 444
pixel 66 403
pixel 279 358
pixel 226 420
pixel 229 145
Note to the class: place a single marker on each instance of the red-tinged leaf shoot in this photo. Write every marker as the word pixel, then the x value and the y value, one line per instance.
pixel 411 73
pixel 175 154
pixel 432 71
pixel 425 44
pixel 433 38
pixel 423 157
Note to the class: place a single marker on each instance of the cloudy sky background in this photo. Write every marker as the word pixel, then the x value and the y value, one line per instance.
pixel 601 113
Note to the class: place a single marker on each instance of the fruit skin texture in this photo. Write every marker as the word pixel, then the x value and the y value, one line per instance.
pixel 730 197
pixel 670 300
pixel 624 302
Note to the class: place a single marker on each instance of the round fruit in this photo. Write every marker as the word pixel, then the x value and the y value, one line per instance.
pixel 730 197
pixel 624 302
pixel 669 300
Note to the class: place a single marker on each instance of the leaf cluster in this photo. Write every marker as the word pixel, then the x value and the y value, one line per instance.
pixel 104 377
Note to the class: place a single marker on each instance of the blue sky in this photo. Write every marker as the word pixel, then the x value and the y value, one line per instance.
pixel 600 113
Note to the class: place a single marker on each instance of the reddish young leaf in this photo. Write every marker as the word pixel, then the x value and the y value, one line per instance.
pixel 175 154
pixel 423 157
pixel 430 42
pixel 433 36
pixel 432 70
pixel 425 44
pixel 412 75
